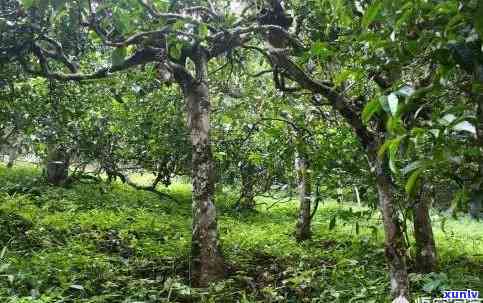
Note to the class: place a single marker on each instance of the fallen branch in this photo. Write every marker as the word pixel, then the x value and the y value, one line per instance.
pixel 81 176
pixel 289 198
pixel 150 188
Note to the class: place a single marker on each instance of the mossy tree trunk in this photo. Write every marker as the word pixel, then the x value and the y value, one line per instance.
pixel 476 203
pixel 207 260
pixel 302 231
pixel 247 196
pixel 394 244
pixel 57 166
pixel 12 156
pixel 426 254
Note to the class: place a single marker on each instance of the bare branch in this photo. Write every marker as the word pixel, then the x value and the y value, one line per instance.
pixel 181 74
pixel 150 188
pixel 269 28
pixel 59 53
pixel 207 11
pixel 263 72
pixel 140 57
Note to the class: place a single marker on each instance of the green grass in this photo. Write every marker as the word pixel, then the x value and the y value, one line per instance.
pixel 100 243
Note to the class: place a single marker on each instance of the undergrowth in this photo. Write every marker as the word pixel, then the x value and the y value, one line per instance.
pixel 110 243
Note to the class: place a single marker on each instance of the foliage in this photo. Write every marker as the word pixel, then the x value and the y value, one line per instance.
pixel 87 245
pixel 352 86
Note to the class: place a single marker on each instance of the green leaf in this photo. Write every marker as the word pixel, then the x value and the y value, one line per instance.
pixel 319 49
pixel 118 56
pixel 123 19
pixel 178 25
pixel 394 125
pixel 371 108
pixel 393 102
pixel 342 76
pixel 392 146
pixel 374 230
pixel 28 3
pixel 4 267
pixel 431 286
pixel 435 132
pixel 412 181
pixel 413 166
pixel 477 87
pixel 175 51
pixel 405 91
pixel 371 13
pixel 255 158
pixel 393 149
pixel 465 126
pixel 61 13
pixel 341 11
pixel 203 30
pixel 384 104
pixel 447 119
pixel 77 287
pixel 382 150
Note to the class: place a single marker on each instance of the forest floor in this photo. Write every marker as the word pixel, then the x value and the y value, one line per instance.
pixel 111 243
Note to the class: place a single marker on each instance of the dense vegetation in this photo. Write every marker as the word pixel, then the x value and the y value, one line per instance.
pixel 110 243
pixel 334 150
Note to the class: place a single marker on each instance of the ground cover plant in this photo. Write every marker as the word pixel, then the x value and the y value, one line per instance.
pixel 111 243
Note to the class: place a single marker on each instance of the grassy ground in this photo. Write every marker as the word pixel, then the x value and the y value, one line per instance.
pixel 100 243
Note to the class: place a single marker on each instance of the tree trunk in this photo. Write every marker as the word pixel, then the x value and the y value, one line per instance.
pixel 12 156
pixel 358 196
pixel 247 196
pixel 476 204
pixel 57 168
pixel 394 239
pixel 426 257
pixel 302 231
pixel 207 260
pixel 479 114
pixel 395 247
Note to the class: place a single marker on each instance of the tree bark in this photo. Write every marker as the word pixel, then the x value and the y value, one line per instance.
pixel 302 230
pixel 358 197
pixel 426 257
pixel 476 204
pixel 479 114
pixel 395 247
pixel 247 197
pixel 12 156
pixel 207 260
pixel 57 167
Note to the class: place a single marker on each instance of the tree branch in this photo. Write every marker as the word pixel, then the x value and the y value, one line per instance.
pixel 59 53
pixel 150 188
pixel 140 57
pixel 338 101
